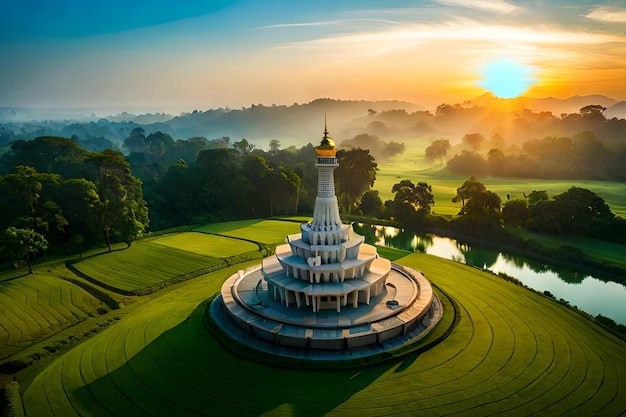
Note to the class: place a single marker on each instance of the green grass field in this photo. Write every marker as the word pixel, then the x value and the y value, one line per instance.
pixel 513 352
pixel 151 261
pixel 263 231
pixel 39 305
pixel 412 166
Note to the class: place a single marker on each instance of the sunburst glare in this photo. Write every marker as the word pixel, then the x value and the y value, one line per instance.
pixel 506 78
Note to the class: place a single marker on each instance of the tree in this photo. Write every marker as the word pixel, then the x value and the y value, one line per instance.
pixel 473 141
pixel 480 213
pixel 371 204
pixel 437 150
pixel 123 211
pixel 467 163
pixel 243 147
pixel 592 110
pixel 469 188
pixel 354 176
pixel 22 245
pixel 515 212
pixel 420 196
pixel 274 146
pixel 536 196
pixel 496 162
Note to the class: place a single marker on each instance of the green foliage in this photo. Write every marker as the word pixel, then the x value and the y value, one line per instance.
pixel 371 205
pixel 22 245
pixel 515 212
pixel 354 176
pixel 576 211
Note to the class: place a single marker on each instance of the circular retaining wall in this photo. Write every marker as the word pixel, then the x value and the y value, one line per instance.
pixel 405 312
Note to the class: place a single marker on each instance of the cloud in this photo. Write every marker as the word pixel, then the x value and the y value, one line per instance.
pixel 406 35
pixel 496 6
pixel 608 15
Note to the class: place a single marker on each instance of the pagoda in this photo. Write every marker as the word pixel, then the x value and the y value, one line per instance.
pixel 325 290
pixel 327 266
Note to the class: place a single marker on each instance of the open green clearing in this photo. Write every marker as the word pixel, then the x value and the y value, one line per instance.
pixel 412 166
pixel 36 306
pixel 263 231
pixel 513 352
pixel 155 260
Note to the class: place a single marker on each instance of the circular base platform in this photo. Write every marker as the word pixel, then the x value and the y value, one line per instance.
pixel 405 312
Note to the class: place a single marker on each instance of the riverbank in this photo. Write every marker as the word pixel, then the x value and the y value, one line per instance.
pixel 568 253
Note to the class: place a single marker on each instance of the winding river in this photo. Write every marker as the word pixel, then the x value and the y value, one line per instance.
pixel 586 292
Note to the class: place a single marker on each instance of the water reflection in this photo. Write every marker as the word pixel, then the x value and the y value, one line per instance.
pixel 586 292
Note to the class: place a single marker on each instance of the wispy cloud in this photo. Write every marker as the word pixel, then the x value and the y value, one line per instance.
pixel 608 15
pixel 403 36
pixel 495 6
pixel 344 23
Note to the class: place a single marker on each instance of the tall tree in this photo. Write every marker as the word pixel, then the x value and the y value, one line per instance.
pixel 355 175
pixel 123 211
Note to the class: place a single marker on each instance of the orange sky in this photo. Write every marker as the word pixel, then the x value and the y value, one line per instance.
pixel 277 52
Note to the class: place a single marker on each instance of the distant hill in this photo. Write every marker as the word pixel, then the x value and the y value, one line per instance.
pixel 260 123
pixel 617 110
pixel 556 106
pixel 569 105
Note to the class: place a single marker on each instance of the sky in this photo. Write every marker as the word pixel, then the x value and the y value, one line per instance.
pixel 191 54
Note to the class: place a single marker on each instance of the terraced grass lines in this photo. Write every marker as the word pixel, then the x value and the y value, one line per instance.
pixel 151 261
pixel 264 231
pixel 205 245
pixel 513 352
pixel 36 306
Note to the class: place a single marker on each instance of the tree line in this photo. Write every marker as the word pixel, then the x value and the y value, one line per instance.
pixel 56 195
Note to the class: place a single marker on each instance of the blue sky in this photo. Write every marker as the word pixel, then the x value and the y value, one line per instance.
pixel 176 56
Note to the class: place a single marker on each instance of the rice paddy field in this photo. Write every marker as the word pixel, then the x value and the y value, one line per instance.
pixel 36 306
pixel 512 352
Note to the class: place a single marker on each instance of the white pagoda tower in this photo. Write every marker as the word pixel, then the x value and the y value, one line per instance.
pixel 327 266
pixel 326 290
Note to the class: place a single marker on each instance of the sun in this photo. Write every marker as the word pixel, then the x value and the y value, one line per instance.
pixel 506 78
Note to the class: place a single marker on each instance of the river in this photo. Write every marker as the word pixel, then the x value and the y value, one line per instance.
pixel 584 291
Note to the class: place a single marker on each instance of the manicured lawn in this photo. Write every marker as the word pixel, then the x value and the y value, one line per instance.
pixel 39 305
pixel 513 352
pixel 264 231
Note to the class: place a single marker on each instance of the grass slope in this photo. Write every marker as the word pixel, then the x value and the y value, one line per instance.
pixel 152 261
pixel 263 231
pixel 513 352
pixel 36 306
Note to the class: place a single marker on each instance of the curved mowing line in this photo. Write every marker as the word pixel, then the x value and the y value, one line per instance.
pixel 400 381
pixel 500 358
pixel 458 380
